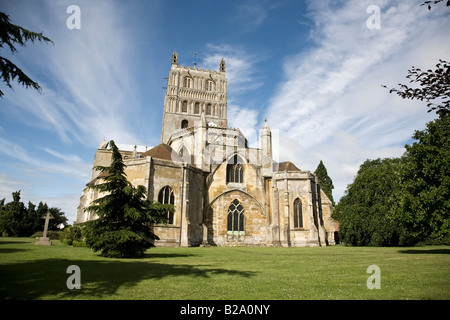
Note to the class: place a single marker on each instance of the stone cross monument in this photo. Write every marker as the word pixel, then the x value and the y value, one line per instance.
pixel 44 240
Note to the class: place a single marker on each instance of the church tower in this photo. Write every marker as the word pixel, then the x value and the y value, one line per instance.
pixel 191 93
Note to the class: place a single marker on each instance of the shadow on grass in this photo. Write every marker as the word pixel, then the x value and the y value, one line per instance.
pixel 11 250
pixel 428 251
pixel 99 279
pixel 12 242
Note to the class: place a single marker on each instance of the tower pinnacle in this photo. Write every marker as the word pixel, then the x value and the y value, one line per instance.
pixel 175 58
pixel 222 65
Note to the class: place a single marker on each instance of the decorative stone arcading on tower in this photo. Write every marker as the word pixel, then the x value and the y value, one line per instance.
pixel 190 93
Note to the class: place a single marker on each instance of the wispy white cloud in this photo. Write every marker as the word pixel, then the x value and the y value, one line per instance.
pixel 331 104
pixel 246 120
pixel 241 66
pixel 71 166
pixel 90 70
pixel 251 14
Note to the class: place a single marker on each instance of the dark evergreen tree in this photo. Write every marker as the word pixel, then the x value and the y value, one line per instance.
pixel 13 214
pixel 19 221
pixel 10 36
pixel 124 227
pixel 325 181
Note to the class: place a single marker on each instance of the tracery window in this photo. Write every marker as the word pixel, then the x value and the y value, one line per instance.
pixel 166 196
pixel 235 219
pixel 235 171
pixel 298 219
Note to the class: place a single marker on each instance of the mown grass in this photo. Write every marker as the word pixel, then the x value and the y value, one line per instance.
pixel 251 273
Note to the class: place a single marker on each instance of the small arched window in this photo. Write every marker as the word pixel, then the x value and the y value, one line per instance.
pixel 166 196
pixel 209 85
pixel 235 171
pixel 184 124
pixel 235 218
pixel 184 106
pixel 298 219
pixel 208 109
pixel 188 82
pixel 197 108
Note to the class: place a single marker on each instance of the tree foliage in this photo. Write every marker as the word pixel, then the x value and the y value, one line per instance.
pixel 10 36
pixel 434 87
pixel 20 221
pixel 401 201
pixel 428 3
pixel 425 207
pixel 124 227
pixel 365 213
pixel 325 181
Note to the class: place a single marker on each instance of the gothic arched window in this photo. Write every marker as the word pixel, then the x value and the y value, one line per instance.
pixel 188 82
pixel 184 106
pixel 235 171
pixel 298 219
pixel 209 85
pixel 197 108
pixel 208 109
pixel 235 219
pixel 184 124
pixel 166 196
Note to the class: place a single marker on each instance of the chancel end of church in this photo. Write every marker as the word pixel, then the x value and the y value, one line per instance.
pixel 224 193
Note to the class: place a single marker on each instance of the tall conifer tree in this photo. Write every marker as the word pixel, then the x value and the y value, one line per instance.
pixel 325 181
pixel 124 227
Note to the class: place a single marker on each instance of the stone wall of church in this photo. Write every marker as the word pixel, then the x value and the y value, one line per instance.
pixel 250 195
pixel 166 173
pixel 137 171
pixel 289 187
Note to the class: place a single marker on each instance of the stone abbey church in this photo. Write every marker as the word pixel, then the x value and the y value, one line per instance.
pixel 224 192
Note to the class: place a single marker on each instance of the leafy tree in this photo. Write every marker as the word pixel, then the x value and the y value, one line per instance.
pixel 17 220
pixel 124 227
pixel 425 207
pixel 11 35
pixel 325 181
pixel 434 86
pixel 12 216
pixel 58 217
pixel 71 234
pixel 366 211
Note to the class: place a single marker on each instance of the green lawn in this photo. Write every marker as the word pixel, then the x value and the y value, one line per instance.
pixel 338 272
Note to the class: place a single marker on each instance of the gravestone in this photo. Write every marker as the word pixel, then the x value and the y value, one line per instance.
pixel 44 240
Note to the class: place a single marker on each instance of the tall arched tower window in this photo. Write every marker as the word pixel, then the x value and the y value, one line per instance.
pixel 188 82
pixel 298 219
pixel 235 219
pixel 197 108
pixel 184 106
pixel 208 109
pixel 235 171
pixel 166 196
pixel 209 85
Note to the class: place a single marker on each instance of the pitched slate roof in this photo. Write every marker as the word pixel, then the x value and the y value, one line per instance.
pixel 100 176
pixel 164 152
pixel 287 166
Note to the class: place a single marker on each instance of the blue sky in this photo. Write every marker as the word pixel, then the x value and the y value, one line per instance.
pixel 312 68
